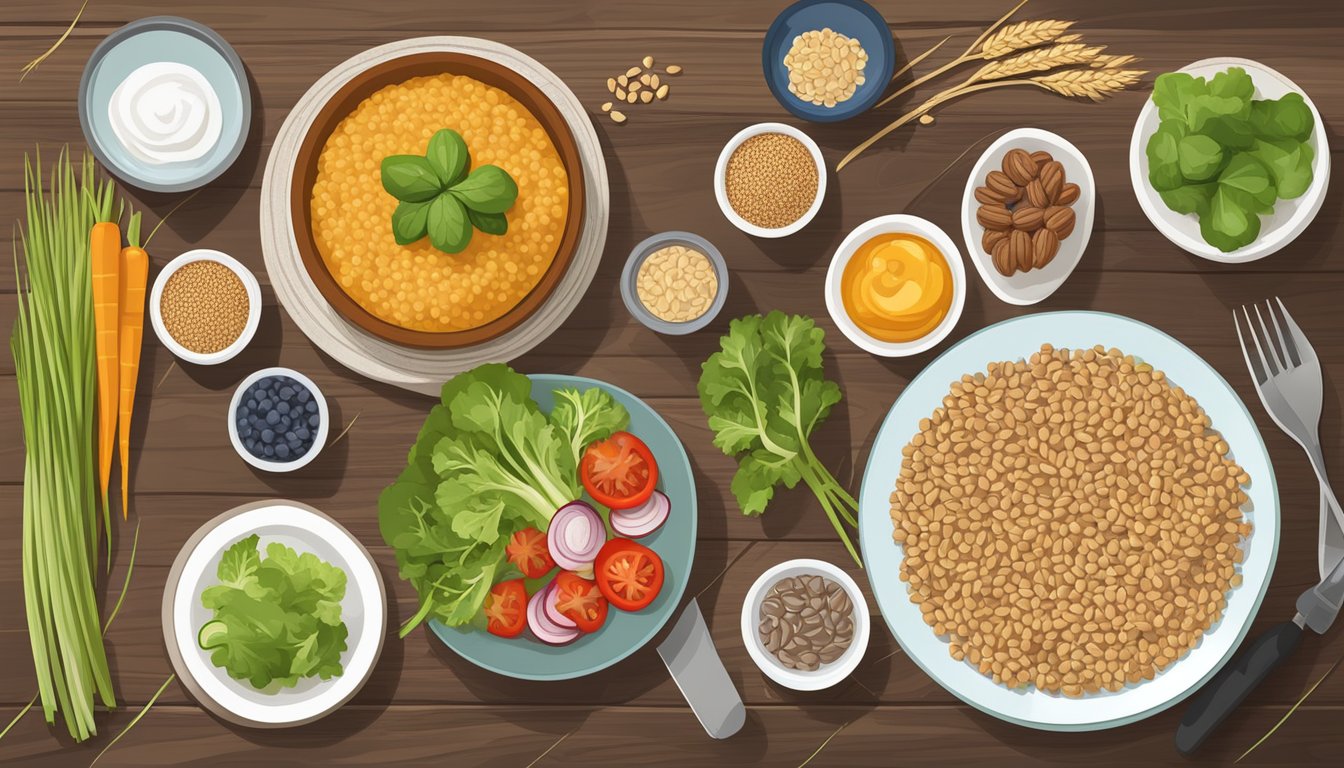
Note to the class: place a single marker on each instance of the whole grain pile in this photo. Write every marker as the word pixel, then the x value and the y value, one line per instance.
pixel 771 180
pixel 677 283
pixel 204 306
pixel 1070 522
pixel 825 67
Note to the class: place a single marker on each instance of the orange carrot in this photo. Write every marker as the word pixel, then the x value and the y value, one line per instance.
pixel 130 332
pixel 105 250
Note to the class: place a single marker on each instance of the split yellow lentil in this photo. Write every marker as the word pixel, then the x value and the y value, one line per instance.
pixel 825 67
pixel 1070 522
pixel 677 284
pixel 771 180
pixel 417 286
pixel 204 306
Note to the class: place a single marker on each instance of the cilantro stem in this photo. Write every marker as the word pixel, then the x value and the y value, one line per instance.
pixel 823 496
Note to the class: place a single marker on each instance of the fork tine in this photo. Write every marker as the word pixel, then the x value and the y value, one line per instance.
pixel 1297 340
pixel 1275 355
pixel 1256 366
pixel 1286 349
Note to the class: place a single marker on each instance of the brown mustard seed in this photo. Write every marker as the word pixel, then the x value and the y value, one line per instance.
pixel 204 306
pixel 1070 522
pixel 771 180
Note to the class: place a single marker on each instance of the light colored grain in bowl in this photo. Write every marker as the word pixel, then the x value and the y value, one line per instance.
pixel 771 180
pixel 825 67
pixel 677 284
pixel 204 306
pixel 1070 522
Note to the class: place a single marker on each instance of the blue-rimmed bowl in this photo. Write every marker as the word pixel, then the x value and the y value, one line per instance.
pixel 630 294
pixel 165 39
pixel 852 18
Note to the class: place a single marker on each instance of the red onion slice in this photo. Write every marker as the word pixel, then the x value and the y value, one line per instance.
pixel 551 607
pixel 644 519
pixel 541 625
pixel 575 536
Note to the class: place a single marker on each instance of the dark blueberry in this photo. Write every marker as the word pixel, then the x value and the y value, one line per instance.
pixel 311 407
pixel 282 451
pixel 272 418
pixel 304 395
pixel 267 436
pixel 251 445
pixel 302 433
pixel 251 404
pixel 286 392
pixel 282 407
pixel 253 419
pixel 268 451
pixel 302 449
pixel 313 421
pixel 242 423
pixel 266 405
pixel 245 433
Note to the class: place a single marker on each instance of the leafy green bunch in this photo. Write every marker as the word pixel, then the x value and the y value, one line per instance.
pixel 443 197
pixel 276 619
pixel 1226 157
pixel 764 392
pixel 487 463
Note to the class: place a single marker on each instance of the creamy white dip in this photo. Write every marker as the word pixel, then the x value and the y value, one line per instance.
pixel 166 112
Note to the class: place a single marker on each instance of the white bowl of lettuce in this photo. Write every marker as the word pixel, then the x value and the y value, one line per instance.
pixel 273 615
pixel 1229 159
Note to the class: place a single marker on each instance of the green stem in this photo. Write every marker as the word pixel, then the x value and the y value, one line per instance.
pixel 819 491
pixel 414 621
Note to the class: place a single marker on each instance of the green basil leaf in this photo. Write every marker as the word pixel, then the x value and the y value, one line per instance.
pixel 449 228
pixel 1200 157
pixel 410 222
pixel 409 178
pixel 489 223
pixel 488 189
pixel 448 156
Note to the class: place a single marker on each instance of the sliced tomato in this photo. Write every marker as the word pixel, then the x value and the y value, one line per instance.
pixel 581 601
pixel 629 574
pixel 527 550
pixel 506 608
pixel 619 472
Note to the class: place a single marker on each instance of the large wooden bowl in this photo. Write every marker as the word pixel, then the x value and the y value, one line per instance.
pixel 390 73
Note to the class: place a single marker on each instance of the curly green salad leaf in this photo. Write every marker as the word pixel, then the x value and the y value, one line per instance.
pixel 276 619
pixel 487 463
pixel 1226 157
pixel 764 392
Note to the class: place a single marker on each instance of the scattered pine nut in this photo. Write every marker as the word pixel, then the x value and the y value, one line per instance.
pixel 662 92
pixel 622 81
pixel 617 116
pixel 620 94
pixel 673 69
pixel 635 86
pixel 611 84
pixel 606 106
pixel 631 72
pixel 926 119
pixel 631 97
pixel 653 80
pixel 646 96
pixel 648 62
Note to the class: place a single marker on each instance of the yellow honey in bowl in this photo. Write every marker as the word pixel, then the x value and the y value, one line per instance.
pixel 897 287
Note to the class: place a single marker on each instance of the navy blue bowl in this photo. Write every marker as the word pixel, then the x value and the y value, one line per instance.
pixel 851 18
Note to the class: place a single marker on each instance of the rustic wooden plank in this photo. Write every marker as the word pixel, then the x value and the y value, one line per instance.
pixel 950 736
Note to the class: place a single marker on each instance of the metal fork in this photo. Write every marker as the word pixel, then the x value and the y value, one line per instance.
pixel 1288 379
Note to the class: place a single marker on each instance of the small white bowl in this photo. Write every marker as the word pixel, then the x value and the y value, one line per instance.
pixel 882 225
pixel 1290 217
pixel 253 307
pixel 1034 285
pixel 304 529
pixel 829 674
pixel 319 439
pixel 721 173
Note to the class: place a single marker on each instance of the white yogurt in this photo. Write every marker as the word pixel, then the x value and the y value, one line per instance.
pixel 166 112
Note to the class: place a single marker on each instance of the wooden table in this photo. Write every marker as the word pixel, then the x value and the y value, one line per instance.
pixel 426 706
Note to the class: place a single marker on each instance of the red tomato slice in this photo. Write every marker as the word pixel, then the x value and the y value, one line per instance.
pixel 527 550
pixel 581 601
pixel 629 574
pixel 619 472
pixel 506 608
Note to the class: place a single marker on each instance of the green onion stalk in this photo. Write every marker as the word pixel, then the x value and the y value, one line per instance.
pixel 53 347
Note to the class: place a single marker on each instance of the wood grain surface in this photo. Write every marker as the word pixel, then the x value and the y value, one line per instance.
pixel 426 706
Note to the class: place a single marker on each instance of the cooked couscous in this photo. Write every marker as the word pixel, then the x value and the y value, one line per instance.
pixel 417 286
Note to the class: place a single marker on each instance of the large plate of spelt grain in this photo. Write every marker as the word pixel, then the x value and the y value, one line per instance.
pixel 1085 570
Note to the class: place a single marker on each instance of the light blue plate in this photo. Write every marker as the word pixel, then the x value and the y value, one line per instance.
pixel 156 39
pixel 527 659
pixel 854 19
pixel 1018 339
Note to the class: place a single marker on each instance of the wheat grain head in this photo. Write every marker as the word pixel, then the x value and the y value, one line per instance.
pixel 1094 84
pixel 1022 35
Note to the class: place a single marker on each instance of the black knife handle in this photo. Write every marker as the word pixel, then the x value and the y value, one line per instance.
pixel 1234 683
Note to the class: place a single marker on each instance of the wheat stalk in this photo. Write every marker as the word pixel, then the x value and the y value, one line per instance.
pixel 1022 35
pixel 1038 60
pixel 1113 62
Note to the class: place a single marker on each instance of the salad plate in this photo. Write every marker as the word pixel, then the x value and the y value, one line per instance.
pixel 362 609
pixel 1019 338
pixel 1289 217
pixel 624 632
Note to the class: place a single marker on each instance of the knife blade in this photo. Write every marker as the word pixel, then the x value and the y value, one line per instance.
pixel 1317 609
pixel 1330 543
pixel 698 671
